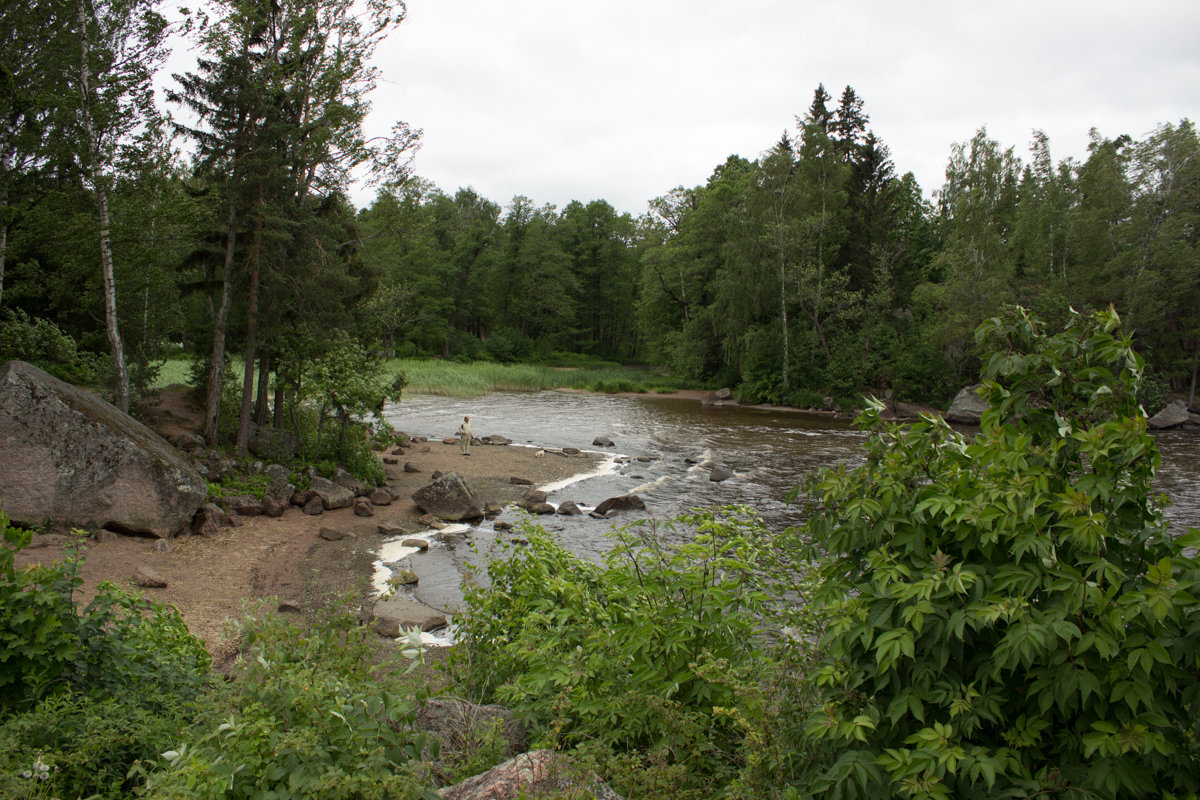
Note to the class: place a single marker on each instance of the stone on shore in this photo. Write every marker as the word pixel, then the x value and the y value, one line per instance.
pixel 332 495
pixel 450 498
pixel 392 615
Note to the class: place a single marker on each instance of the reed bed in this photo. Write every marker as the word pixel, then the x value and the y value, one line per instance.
pixel 474 379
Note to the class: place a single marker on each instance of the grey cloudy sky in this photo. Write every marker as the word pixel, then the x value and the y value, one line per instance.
pixel 626 99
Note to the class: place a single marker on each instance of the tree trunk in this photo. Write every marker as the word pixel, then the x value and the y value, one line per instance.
pixel 243 431
pixel 280 397
pixel 3 248
pixel 121 390
pixel 261 406
pixel 1195 370
pixel 212 397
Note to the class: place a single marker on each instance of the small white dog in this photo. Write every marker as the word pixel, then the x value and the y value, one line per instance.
pixel 539 454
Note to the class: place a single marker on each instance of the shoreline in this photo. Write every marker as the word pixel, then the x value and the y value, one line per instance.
pixel 209 579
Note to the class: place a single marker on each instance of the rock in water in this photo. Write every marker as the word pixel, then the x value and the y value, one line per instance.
pixel 449 497
pixel 67 455
pixel 967 407
pixel 624 502
pixel 1174 415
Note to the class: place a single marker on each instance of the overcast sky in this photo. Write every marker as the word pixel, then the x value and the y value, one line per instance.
pixel 625 99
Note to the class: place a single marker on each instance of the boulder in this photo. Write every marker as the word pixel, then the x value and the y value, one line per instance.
pixel 571 451
pixel 541 773
pixel 380 496
pixel 393 615
pixel 531 498
pixel 539 508
pixel 313 507
pixel 207 520
pixel 363 507
pixel 347 481
pixel 449 497
pixel 333 534
pixel 602 441
pixel 245 505
pixel 515 481
pixel 495 439
pixel 1174 415
pixel 67 455
pixel 392 529
pixel 409 468
pixel 332 496
pixel 967 407
pixel 624 502
pixel 273 507
pixel 189 442
pixel 148 578
pixel 273 444
pixel 570 509
pixel 420 544
pixel 720 473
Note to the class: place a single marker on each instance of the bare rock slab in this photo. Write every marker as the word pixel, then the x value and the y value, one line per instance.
pixel 541 773
pixel 395 614
pixel 68 455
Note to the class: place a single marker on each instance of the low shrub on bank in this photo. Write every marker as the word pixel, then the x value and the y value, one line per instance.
pixel 307 712
pixel 652 665
pixel 85 693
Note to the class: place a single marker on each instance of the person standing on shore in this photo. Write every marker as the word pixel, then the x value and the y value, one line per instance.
pixel 464 437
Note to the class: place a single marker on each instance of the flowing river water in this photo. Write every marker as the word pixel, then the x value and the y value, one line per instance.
pixel 659 444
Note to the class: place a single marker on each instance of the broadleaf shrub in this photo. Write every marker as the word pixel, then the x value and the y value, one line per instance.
pixel 1007 613
pixel 307 712
pixel 652 662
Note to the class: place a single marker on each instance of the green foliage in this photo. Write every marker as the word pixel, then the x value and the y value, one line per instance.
pixel 86 692
pixel 652 655
pixel 44 344
pixel 307 713
pixel 1007 615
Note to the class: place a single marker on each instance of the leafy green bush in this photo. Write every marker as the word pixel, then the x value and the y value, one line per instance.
pixel 307 713
pixel 42 343
pixel 1007 614
pixel 85 692
pixel 654 655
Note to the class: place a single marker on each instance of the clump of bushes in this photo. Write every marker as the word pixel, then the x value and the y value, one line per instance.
pixel 85 693
pixel 650 664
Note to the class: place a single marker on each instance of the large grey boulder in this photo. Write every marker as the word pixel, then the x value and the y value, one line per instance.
pixel 393 615
pixel 332 496
pixel 67 455
pixel 967 407
pixel 449 497
pixel 1174 415
pixel 541 773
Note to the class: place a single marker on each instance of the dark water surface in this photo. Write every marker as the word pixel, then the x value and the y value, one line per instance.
pixel 770 452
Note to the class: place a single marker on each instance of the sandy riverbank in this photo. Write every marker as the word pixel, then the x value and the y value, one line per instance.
pixel 210 578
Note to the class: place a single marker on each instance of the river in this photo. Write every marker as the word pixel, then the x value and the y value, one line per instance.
pixel 660 442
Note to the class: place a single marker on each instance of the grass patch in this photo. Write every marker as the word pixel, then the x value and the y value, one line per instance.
pixel 452 379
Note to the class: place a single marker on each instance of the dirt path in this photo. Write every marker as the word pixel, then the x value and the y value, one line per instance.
pixel 210 578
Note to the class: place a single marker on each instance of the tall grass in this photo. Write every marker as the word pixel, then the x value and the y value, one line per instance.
pixel 452 379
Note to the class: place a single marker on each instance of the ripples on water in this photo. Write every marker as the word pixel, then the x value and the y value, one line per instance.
pixel 770 452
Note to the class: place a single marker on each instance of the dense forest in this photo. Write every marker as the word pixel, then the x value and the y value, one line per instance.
pixel 216 219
